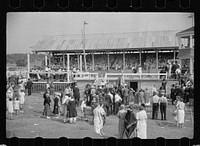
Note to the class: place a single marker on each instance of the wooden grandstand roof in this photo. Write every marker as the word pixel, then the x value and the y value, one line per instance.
pixel 189 30
pixel 108 42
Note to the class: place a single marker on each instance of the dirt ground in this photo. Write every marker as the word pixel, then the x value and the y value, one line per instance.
pixel 31 124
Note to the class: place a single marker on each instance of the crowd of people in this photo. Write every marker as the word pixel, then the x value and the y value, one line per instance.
pixel 116 62
pixel 15 98
pixel 117 99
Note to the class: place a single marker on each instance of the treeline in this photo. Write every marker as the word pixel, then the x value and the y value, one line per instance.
pixel 21 59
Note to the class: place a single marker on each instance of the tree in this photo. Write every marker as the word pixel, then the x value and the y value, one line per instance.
pixel 21 62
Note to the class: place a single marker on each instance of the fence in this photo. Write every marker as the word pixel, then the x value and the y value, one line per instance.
pixel 41 86
pixel 135 76
pixel 85 76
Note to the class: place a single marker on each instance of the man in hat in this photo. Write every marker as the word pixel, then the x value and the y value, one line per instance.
pixel 29 86
pixel 163 105
pixel 155 103
pixel 173 94
pixel 76 94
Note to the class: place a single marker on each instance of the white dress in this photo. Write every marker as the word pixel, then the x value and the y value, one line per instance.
pixel 21 97
pixel 98 119
pixel 10 106
pixel 180 112
pixel 141 116
pixel 16 104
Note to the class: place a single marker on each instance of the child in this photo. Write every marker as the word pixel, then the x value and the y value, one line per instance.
pixel 72 110
pixel 21 98
pixel 16 105
pixel 10 108
pixel 56 106
pixel 83 106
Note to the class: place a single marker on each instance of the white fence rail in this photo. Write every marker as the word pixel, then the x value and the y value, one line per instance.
pixel 85 76
pixel 94 76
pixel 135 76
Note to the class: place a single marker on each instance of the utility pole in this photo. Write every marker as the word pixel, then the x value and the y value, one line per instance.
pixel 84 45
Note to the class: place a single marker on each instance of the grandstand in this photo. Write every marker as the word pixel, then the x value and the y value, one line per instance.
pixel 110 53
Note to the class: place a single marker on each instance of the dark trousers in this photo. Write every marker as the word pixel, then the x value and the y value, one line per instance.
pixel 163 107
pixel 155 111
pixel 117 104
pixel 173 99
pixel 29 91
pixel 126 101
pixel 113 108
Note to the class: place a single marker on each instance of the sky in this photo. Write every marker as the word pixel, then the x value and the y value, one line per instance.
pixel 25 29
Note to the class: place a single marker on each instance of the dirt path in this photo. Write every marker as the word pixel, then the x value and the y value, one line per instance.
pixel 31 124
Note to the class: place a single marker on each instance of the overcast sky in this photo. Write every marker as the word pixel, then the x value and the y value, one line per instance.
pixel 25 29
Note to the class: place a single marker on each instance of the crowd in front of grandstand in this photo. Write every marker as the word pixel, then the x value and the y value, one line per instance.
pixel 105 99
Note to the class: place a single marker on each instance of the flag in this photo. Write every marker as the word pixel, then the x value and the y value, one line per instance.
pixel 190 16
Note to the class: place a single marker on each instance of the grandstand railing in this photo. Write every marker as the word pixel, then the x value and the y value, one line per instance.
pixel 85 76
pixel 135 76
pixel 41 86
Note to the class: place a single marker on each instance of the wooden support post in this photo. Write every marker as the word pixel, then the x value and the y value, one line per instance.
pixel 80 62
pixel 156 59
pixel 63 60
pixel 45 60
pixel 140 58
pixel 174 55
pixel 28 65
pixel 124 60
pixel 93 61
pixel 191 45
pixel 68 63
pixel 108 62
pixel 49 60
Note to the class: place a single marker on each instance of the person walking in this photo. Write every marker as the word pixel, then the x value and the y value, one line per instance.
pixel 29 86
pixel 99 114
pixel 141 117
pixel 155 105
pixel 180 112
pixel 108 103
pixel 52 89
pixel 56 106
pixel 47 101
pixel 121 124
pixel 118 100
pixel 163 105
pixel 72 110
pixel 125 95
pixel 65 101
pixel 76 94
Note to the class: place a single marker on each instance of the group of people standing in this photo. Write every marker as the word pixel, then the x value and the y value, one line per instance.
pixel 15 98
pixel 65 102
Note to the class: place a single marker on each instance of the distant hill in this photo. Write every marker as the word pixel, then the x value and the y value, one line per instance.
pixel 34 59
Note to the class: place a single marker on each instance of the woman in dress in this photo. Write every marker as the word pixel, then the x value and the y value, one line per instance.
pixel 56 106
pixel 21 98
pixel 141 117
pixel 72 110
pixel 131 95
pixel 47 101
pixel 98 119
pixel 180 112
pixel 16 105
pixel 10 104
pixel 121 126
pixel 52 89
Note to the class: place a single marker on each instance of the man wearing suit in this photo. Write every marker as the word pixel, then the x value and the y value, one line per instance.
pixel 155 107
pixel 29 86
pixel 163 105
